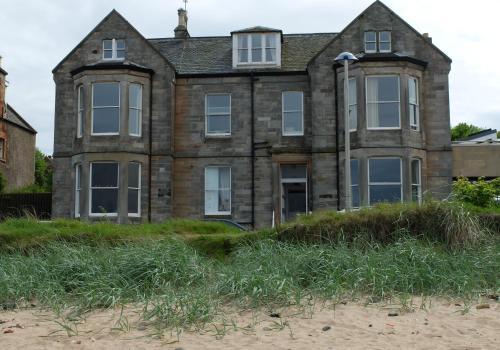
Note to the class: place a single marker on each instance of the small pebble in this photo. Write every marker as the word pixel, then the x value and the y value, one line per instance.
pixel 326 328
pixel 393 314
pixel 7 331
pixel 370 325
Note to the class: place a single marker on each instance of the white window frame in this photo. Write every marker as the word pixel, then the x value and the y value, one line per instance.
pixel 377 102
pixel 356 185
pixel 219 213
pixel 138 189
pixel 385 183
pixel 78 189
pixel 139 109
pixel 100 107
pixel 3 150
pixel 236 49
pixel 355 104
pixel 419 184
pixel 284 180
pixel 114 50
pixel 97 188
pixel 379 37
pixel 80 111
pixel 207 115
pixel 416 105
pixel 370 42
pixel 283 113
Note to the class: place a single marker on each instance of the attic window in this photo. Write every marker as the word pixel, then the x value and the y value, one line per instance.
pixel 257 49
pixel 113 49
pixel 377 41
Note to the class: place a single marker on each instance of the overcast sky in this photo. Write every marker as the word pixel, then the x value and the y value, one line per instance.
pixel 36 34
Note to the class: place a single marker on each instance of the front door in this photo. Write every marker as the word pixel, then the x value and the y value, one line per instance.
pixel 293 191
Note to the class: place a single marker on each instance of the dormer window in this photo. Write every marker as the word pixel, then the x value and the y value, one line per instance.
pixel 256 48
pixel 377 41
pixel 113 49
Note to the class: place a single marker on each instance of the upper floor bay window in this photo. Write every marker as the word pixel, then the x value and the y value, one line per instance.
pixel 384 180
pixel 134 189
pixel 257 49
pixel 353 105
pixel 105 109
pixel 378 41
pixel 217 191
pixel 293 113
pixel 383 102
pixel 103 193
pixel 113 49
pixel 355 197
pixel 413 103
pixel 218 115
pixel 80 112
pixel 135 109
pixel 416 180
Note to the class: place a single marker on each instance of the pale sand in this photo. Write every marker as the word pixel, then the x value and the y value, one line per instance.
pixel 440 325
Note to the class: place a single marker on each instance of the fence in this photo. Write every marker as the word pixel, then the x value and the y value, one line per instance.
pixel 26 204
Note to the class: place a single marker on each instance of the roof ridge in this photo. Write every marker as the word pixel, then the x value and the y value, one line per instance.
pixel 228 36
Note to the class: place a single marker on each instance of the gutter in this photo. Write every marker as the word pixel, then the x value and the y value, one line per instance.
pixel 337 151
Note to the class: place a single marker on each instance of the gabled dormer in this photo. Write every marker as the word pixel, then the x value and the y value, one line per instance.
pixel 257 47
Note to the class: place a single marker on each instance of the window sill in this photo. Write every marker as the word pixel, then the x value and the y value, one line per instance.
pixel 292 135
pixel 105 134
pixel 217 136
pixel 375 129
pixel 218 215
pixel 111 215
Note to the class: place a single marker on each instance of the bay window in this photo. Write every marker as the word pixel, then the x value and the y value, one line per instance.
pixel 413 103
pixel 384 180
pixel 78 189
pixel 355 183
pixel 2 149
pixel 134 189
pixel 105 108
pixel 218 191
pixel 293 113
pixel 80 112
pixel 135 109
pixel 103 194
pixel 383 102
pixel 218 114
pixel 416 180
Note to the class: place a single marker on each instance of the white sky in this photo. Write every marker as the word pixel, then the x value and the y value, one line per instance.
pixel 36 34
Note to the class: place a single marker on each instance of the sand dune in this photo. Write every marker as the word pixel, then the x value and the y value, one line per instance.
pixel 439 325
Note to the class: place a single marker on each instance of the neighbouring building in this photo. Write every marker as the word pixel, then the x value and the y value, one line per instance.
pixel 249 126
pixel 17 144
pixel 477 155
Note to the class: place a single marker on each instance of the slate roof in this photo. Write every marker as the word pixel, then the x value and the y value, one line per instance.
pixel 14 117
pixel 479 134
pixel 214 55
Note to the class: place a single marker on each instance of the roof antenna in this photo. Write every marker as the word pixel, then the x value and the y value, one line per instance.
pixel 185 4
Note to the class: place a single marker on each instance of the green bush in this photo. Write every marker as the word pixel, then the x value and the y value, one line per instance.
pixel 444 222
pixel 480 193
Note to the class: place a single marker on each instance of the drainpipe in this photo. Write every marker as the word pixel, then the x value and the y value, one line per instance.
pixel 337 151
pixel 150 145
pixel 252 142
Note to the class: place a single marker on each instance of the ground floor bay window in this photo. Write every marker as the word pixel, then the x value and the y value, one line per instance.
pixel 385 180
pixel 416 180
pixel 134 189
pixel 218 190
pixel 103 193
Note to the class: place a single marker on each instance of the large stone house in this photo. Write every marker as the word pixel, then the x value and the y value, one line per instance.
pixel 17 144
pixel 248 126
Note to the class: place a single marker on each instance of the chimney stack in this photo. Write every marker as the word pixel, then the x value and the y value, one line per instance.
pixel 181 30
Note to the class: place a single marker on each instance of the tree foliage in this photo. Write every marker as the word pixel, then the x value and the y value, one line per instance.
pixel 462 130
pixel 43 171
pixel 480 193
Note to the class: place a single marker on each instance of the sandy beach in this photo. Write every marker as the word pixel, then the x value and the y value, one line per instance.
pixel 435 324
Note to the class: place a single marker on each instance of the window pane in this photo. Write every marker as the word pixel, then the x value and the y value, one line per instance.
pixel 106 94
pixel 120 54
pixel 135 95
pixel 292 101
pixel 257 55
pixel 81 102
pixel 107 54
pixel 354 172
pixel 256 41
pixel 385 37
pixel 415 171
pixel 292 122
pixel 211 201
pixel 2 147
pixel 104 201
pixel 270 55
pixel 388 114
pixel 224 178
pixel 243 56
pixel 133 201
pixel 243 42
pixel 107 44
pixel 218 124
pixel 120 44
pixel 385 47
pixel 415 193
pixel 412 90
pixel 371 47
pixel 134 121
pixel 104 175
pixel 385 170
pixel 133 174
pixel 212 178
pixel 413 116
pixel 388 88
pixel 293 172
pixel 370 37
pixel 219 104
pixel 224 201
pixel 385 193
pixel 355 196
pixel 271 40
pixel 106 120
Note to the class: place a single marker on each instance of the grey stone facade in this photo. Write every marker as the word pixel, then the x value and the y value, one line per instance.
pixel 174 149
